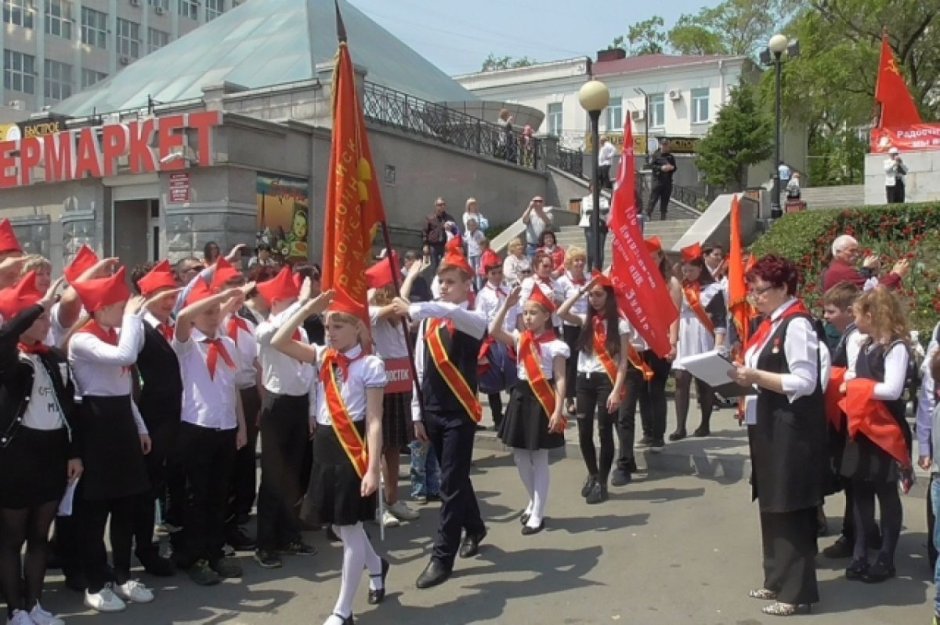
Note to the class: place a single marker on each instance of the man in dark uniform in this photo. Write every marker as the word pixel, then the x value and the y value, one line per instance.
pixel 664 166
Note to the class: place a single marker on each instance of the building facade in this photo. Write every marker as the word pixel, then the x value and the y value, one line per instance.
pixel 55 48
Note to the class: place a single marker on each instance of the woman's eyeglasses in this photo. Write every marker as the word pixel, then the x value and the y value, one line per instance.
pixel 760 291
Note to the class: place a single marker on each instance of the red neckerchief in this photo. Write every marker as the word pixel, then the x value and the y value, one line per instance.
pixel 38 348
pixel 765 327
pixel 217 350
pixel 341 360
pixel 236 323
pixel 167 331
pixel 499 290
pixel 580 282
pixel 109 336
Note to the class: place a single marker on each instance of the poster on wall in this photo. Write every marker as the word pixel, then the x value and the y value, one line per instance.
pixel 283 214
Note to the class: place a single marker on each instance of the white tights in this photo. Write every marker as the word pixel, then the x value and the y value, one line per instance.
pixel 358 554
pixel 533 469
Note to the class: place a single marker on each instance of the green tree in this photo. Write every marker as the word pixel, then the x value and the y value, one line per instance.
pixel 742 136
pixel 738 27
pixel 492 62
pixel 645 37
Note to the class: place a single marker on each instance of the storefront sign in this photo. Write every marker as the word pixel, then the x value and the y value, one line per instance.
pixel 42 127
pixel 679 145
pixel 179 188
pixel 94 152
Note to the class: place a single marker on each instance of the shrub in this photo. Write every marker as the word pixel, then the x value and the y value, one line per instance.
pixel 894 232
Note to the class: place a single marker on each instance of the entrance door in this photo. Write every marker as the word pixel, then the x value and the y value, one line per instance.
pixel 131 232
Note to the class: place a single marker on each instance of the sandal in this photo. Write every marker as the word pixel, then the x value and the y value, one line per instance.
pixel 764 594
pixel 786 609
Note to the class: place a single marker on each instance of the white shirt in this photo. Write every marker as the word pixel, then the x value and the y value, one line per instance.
pixel 470 322
pixel 587 207
pixel 513 268
pixel 473 240
pixel 208 402
pixel 801 349
pixel 490 299
pixel 568 288
pixel 280 373
pixel 605 157
pixel 896 362
pixel 547 353
pixel 43 411
pixel 535 227
pixel 57 331
pixel 588 362
pixel 893 172
pixel 247 346
pixel 388 338
pixel 101 369
pixel 364 372
pixel 482 221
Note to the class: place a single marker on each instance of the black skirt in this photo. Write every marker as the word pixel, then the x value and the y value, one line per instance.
pixel 525 425
pixel 33 467
pixel 864 461
pixel 114 461
pixel 333 494
pixel 396 415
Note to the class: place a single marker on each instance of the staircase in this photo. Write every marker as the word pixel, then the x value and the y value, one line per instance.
pixel 822 198
pixel 670 231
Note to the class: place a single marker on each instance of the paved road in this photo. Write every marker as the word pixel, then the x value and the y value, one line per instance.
pixel 664 550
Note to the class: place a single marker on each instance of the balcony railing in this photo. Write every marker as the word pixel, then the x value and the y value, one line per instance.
pixel 437 122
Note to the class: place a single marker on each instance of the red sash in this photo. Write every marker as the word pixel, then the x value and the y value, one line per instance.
pixel 600 350
pixel 693 296
pixel 834 396
pixel 236 323
pixel 448 370
pixel 217 350
pixel 343 426
pixel 872 418
pixel 109 336
pixel 530 355
pixel 397 376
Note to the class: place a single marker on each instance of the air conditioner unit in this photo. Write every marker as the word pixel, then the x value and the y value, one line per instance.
pixel 675 94
pixel 17 104
pixel 639 115
pixel 135 3
pixel 160 10
pixel 125 60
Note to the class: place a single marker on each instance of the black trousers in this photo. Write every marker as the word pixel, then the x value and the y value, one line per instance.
pixel 163 432
pixel 245 471
pixel 895 194
pixel 451 435
pixel 892 516
pixel 207 456
pixel 571 334
pixel 92 515
pixel 659 193
pixel 285 436
pixel 593 391
pixel 603 176
pixel 789 548
pixel 650 396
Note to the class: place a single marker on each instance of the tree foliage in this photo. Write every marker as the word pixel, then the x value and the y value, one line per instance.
pixel 492 62
pixel 742 136
pixel 645 37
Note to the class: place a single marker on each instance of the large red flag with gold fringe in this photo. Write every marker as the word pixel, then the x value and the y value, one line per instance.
pixel 353 200
pixel 897 106
pixel 741 309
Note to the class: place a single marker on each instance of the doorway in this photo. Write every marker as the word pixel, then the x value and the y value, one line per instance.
pixel 133 236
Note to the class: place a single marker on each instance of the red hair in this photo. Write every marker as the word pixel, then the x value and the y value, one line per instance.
pixel 776 271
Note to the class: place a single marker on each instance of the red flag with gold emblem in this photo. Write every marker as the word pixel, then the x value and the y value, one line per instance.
pixel 353 202
pixel 897 105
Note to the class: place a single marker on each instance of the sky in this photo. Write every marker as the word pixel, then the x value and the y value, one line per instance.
pixel 457 35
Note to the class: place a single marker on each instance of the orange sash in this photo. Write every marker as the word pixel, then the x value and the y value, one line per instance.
pixel 637 361
pixel 449 371
pixel 600 350
pixel 343 426
pixel 872 418
pixel 693 295
pixel 530 354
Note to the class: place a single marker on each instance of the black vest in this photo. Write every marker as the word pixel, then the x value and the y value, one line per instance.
pixel 161 393
pixel 840 354
pixel 463 350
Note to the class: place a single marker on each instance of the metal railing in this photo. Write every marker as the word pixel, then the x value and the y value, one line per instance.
pixel 437 122
pixel 571 161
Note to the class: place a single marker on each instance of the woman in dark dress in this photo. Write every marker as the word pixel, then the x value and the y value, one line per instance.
pixel 38 446
pixel 787 435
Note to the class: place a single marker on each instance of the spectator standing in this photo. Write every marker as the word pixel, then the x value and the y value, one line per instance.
pixel 587 207
pixel 473 212
pixel 605 159
pixel 211 253
pixel 517 265
pixel 506 141
pixel 895 170
pixel 434 234
pixel 845 251
pixel 664 166
pixel 262 257
pixel 474 240
pixel 536 220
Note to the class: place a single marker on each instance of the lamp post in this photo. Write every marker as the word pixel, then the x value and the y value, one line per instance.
pixel 594 97
pixel 777 47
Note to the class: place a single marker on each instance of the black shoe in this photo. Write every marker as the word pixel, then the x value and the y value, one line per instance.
pixel 528 531
pixel 434 573
pixel 598 494
pixel 588 485
pixel 376 596
pixel 331 535
pixel 657 445
pixel 77 582
pixel 701 432
pixel 878 572
pixel 156 565
pixel 646 441
pixel 620 477
pixel 471 544
pixel 268 559
pixel 297 548
pixel 242 518
pixel 678 435
pixel 347 620
pixel 240 541
pixel 524 518
pixel 842 548
pixel 857 570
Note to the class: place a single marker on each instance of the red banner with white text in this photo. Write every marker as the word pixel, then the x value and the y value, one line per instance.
pixel 910 138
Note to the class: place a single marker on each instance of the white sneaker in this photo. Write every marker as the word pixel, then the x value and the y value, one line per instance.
pixel 401 510
pixel 20 617
pixel 104 600
pixel 389 520
pixel 134 592
pixel 42 617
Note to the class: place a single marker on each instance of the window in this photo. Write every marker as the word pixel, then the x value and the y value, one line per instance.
pixel 18 13
pixel 58 80
pixel 94 28
pixel 128 38
pixel 189 8
pixel 657 111
pixel 615 115
pixel 554 115
pixel 214 8
pixel 160 4
pixel 19 72
pixel 90 77
pixel 59 18
pixel 156 39
pixel 699 106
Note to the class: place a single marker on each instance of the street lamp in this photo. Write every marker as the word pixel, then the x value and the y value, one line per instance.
pixel 776 48
pixel 594 97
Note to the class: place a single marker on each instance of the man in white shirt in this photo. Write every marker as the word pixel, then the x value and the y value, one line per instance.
pixel 895 170
pixel 536 219
pixel 605 159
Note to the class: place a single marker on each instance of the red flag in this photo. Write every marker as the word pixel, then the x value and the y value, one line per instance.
pixel 897 105
pixel 353 202
pixel 872 418
pixel 741 309
pixel 642 292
